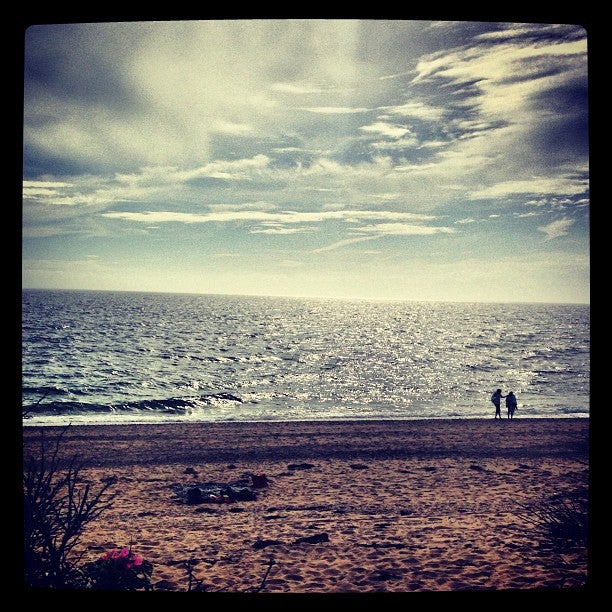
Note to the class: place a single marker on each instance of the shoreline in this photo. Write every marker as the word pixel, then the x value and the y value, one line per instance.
pixel 383 439
pixel 126 420
pixel 184 421
pixel 405 506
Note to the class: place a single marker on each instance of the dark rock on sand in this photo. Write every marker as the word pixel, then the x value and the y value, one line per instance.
pixel 315 539
pixel 264 543
pixel 300 466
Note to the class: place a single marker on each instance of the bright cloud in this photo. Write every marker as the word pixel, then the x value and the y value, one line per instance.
pixel 386 129
pixel 537 185
pixel 556 229
pixel 404 229
pixel 225 215
pixel 334 110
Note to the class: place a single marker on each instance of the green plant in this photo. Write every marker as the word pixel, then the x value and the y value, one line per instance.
pixel 56 508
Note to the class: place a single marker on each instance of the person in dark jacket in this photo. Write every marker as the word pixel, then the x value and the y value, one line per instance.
pixel 496 399
pixel 511 404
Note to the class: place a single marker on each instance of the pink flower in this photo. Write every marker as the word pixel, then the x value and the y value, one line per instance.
pixel 111 555
pixel 123 559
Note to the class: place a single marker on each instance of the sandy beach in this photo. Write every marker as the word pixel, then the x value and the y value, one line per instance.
pixel 349 507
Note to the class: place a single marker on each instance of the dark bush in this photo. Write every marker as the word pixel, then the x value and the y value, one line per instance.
pixel 561 521
pixel 57 506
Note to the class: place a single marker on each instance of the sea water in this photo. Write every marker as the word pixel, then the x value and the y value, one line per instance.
pixel 126 357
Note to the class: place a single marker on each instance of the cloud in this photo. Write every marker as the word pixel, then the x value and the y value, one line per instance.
pixel 282 231
pixel 232 170
pixel 343 243
pixel 44 184
pixel 265 206
pixel 556 229
pixel 380 230
pixel 37 190
pixel 566 185
pixel 386 129
pixel 504 84
pixel 334 110
pixel 404 229
pixel 234 129
pixel 418 110
pixel 399 145
pixel 236 214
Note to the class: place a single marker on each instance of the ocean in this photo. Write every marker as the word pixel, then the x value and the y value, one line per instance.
pixel 97 357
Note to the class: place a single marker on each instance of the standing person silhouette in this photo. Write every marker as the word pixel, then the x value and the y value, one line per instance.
pixel 496 399
pixel 511 404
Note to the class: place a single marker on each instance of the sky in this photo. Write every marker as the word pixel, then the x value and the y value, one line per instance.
pixel 375 159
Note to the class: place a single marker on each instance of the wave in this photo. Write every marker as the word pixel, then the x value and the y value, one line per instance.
pixel 171 405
